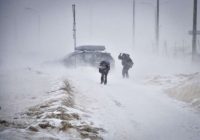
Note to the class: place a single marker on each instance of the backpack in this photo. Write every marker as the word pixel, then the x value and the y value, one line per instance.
pixel 127 62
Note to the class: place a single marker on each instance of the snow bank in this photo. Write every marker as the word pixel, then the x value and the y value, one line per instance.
pixel 187 90
pixel 37 102
pixel 183 87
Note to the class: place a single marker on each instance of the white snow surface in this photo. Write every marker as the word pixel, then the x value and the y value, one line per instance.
pixel 126 108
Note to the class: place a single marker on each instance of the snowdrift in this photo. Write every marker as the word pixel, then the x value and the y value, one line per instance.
pixel 188 90
pixel 55 118
pixel 38 103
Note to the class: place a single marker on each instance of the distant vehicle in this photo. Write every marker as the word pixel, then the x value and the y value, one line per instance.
pixel 88 55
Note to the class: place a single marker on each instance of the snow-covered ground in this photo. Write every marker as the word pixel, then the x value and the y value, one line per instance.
pixel 131 109
pixel 50 101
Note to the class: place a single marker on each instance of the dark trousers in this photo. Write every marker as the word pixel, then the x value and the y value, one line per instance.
pixel 104 78
pixel 125 72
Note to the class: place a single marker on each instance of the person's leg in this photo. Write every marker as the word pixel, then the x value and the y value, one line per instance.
pixel 123 72
pixel 102 79
pixel 105 78
pixel 127 75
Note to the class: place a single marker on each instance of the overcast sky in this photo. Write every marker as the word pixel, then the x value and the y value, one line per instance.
pixel 45 26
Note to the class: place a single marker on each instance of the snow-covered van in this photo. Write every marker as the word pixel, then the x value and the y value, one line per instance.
pixel 88 55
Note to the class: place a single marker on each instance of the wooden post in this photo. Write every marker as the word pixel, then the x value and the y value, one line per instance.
pixel 157 25
pixel 194 33
pixel 74 25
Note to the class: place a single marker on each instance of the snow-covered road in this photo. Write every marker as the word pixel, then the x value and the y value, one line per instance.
pixel 130 109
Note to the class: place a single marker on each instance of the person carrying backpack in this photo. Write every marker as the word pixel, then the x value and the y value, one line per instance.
pixel 127 63
pixel 104 68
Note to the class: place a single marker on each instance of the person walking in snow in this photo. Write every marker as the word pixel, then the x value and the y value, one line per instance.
pixel 127 63
pixel 104 68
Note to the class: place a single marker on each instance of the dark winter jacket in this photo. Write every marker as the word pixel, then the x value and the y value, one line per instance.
pixel 104 67
pixel 126 60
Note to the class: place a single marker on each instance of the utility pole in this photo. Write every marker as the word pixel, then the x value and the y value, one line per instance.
pixel 194 32
pixel 157 25
pixel 74 25
pixel 133 24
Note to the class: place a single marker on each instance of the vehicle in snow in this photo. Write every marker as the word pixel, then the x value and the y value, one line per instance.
pixel 88 55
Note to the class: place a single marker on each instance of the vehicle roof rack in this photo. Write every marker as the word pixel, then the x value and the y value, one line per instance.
pixel 90 48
